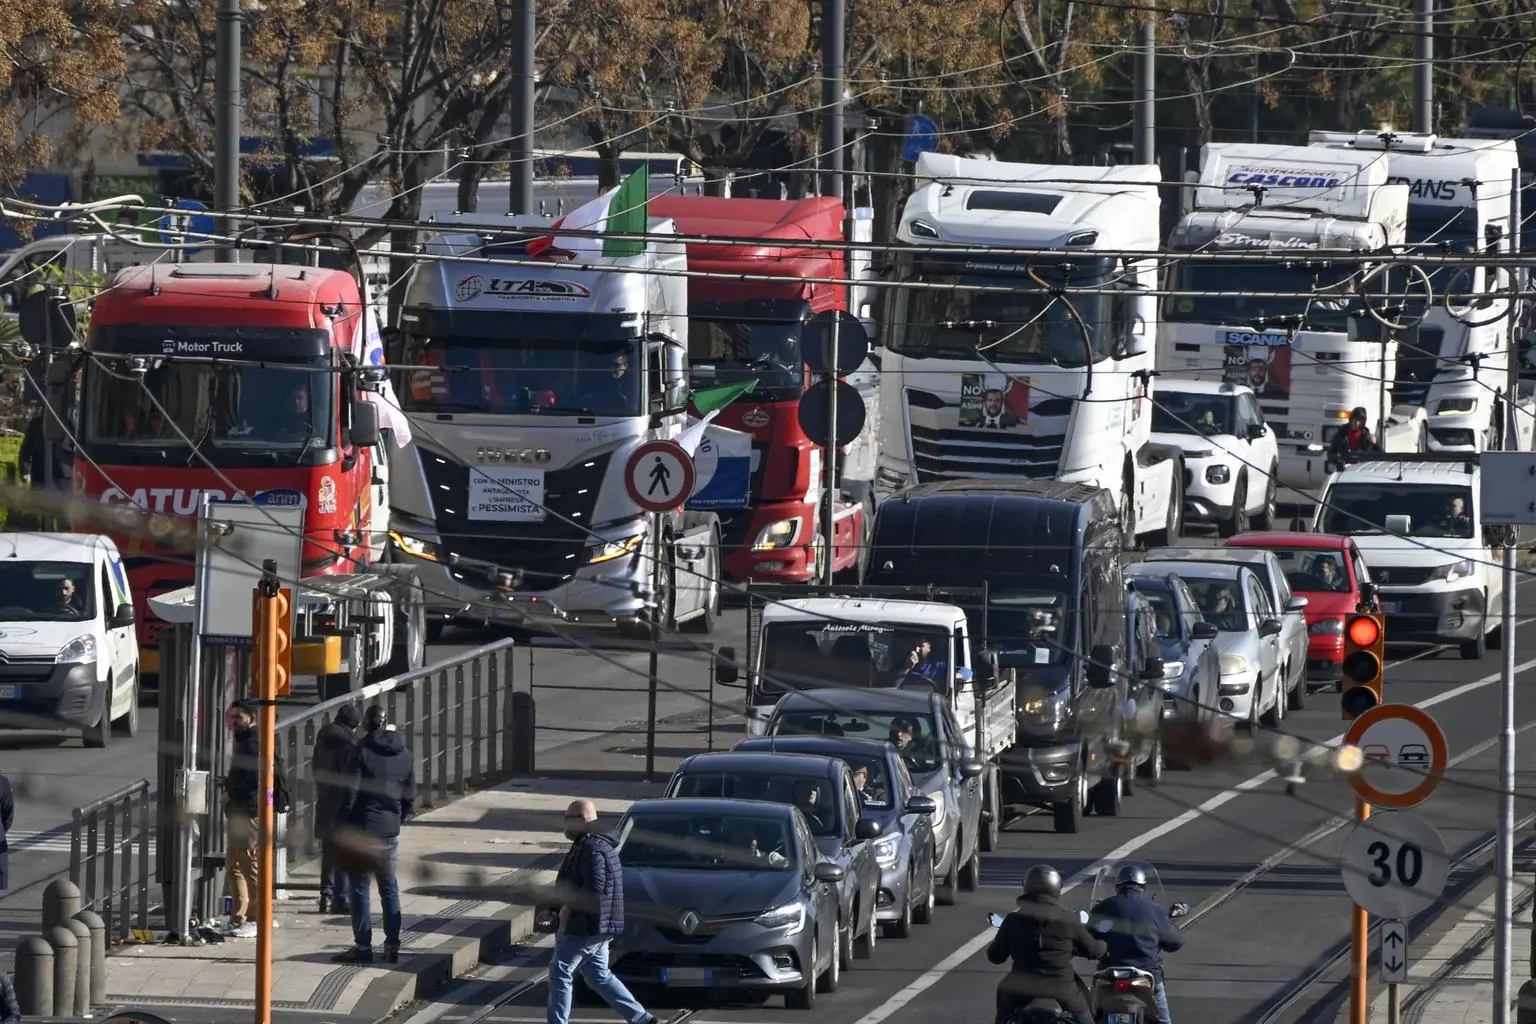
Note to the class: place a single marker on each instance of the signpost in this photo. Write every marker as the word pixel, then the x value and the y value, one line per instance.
pixel 1395 865
pixel 659 476
pixel 1394 952
pixel 1405 755
pixel 195 220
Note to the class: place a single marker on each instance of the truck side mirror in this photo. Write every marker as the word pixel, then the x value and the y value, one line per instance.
pixel 365 424
pixel 1101 664
pixel 725 665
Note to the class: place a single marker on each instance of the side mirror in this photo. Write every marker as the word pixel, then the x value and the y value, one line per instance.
pixel 1101 663
pixel 972 769
pixel 365 424
pixel 868 828
pixel 1270 627
pixel 1256 431
pixel 725 665
pixel 1204 631
pixel 123 616
pixel 1153 669
pixel 963 677
pixel 922 805
pixel 1296 604
pixel 828 872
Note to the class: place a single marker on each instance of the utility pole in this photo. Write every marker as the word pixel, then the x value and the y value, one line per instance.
pixel 1146 93
pixel 834 18
pixel 1424 66
pixel 271 668
pixel 226 127
pixel 520 178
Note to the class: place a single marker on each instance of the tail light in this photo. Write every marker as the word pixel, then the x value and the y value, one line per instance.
pixel 1129 986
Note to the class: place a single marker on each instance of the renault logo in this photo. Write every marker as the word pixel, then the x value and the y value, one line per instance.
pixel 526 455
pixel 688 922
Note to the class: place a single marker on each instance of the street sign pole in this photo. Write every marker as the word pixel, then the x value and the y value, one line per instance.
pixel 1394 965
pixel 829 498
pixel 1394 1005
pixel 1360 954
pixel 1504 912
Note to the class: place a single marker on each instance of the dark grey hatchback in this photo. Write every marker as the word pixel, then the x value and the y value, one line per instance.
pixel 726 894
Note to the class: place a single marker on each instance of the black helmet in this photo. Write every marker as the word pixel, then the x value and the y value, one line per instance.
pixel 374 718
pixel 1042 880
pixel 1130 873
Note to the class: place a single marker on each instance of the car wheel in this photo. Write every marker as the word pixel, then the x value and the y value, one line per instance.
pixel 901 928
pixel 1265 520
pixel 1069 814
pixel 1152 769
pixel 951 883
pixel 804 997
pixel 864 945
pixel 1253 707
pixel 99 735
pixel 1239 521
pixel 1276 714
pixel 970 875
pixel 833 976
pixel 923 912
pixel 1472 650
pixel 128 725
pixel 845 945
pixel 1298 699
pixel 1106 797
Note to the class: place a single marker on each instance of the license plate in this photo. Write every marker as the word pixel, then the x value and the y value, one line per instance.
pixel 1122 1018
pixel 684 976
pixel 1391 607
pixel 9 692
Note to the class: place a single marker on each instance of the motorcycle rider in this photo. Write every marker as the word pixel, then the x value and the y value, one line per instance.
pixel 1137 930
pixel 1041 938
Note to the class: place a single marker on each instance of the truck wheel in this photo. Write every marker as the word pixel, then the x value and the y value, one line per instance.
pixel 706 623
pixel 991 811
pixel 662 618
pixel 410 649
pixel 1239 521
pixel 1128 509
pixel 1170 533
pixel 1106 797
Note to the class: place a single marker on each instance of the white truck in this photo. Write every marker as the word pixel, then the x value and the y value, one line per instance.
pixel 530 387
pixel 1454 362
pixel 989 373
pixel 1323 220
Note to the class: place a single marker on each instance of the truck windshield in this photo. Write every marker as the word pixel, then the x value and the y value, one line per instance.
pixel 817 654
pixel 524 376
pixel 218 406
pixel 1434 228
pixel 1409 510
pixel 1225 293
pixel 1021 325
pixel 1028 626
pixel 730 351
pixel 1176 412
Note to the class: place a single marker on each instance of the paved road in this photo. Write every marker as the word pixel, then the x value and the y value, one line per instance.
pixel 1254 934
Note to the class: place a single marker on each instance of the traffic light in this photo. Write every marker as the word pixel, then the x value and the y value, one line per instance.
pixel 1365 639
pixel 272 641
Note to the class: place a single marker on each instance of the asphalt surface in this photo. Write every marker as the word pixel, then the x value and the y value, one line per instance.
pixel 1259 864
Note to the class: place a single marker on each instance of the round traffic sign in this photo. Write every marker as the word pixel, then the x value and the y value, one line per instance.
pixel 659 476
pixel 1394 865
pixel 1403 755
pixel 839 330
pixel 815 415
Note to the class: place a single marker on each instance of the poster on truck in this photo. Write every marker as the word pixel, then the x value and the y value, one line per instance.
pixel 993 401
pixel 1261 361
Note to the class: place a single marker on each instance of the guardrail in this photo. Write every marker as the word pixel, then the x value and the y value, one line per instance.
pixel 109 858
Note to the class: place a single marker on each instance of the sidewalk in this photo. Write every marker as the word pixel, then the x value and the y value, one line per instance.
pixel 465 872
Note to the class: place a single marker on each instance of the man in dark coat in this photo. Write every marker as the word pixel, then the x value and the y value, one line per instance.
pixel 242 796
pixel 328 767
pixel 7 815
pixel 1138 930
pixel 380 795
pixel 1041 938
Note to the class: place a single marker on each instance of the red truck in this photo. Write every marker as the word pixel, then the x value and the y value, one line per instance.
pixel 256 363
pixel 739 330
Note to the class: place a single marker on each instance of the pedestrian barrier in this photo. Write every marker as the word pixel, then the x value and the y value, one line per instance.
pixel 109 859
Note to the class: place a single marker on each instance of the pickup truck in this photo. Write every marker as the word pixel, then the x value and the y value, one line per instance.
pixel 866 638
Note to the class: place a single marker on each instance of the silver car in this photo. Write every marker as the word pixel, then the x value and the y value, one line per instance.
pixel 1231 598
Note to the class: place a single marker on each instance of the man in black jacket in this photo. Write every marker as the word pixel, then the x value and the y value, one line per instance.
pixel 1041 938
pixel 1137 930
pixel 240 815
pixel 328 766
pixel 380 795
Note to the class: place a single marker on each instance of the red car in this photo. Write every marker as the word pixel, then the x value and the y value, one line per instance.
pixel 1327 570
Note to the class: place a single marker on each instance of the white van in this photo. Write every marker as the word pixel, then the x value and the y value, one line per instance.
pixel 69 655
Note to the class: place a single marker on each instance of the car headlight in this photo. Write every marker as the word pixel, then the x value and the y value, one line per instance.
pixel 887 850
pixel 1217 474
pixel 1453 571
pixel 1233 664
pixel 777 535
pixel 1326 627
pixel 79 651
pixel 609 550
pixel 1456 407
pixel 414 546
pixel 1173 670
pixel 790 917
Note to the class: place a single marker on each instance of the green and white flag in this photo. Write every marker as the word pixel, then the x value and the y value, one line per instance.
pixel 621 210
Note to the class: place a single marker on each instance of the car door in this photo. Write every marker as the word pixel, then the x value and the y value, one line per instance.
pixel 120 668
pixel 1294 637
pixel 826 897
pixel 968 790
pixel 861 851
pixel 1208 671
pixel 1262 610
pixel 1263 452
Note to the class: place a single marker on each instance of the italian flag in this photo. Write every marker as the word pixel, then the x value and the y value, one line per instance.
pixel 620 210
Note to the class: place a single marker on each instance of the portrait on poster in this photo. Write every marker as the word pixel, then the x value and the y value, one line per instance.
pixel 993 401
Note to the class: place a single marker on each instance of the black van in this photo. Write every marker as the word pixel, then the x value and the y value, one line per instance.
pixel 1050 555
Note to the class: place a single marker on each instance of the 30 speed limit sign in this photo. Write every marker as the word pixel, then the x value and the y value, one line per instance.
pixel 1395 865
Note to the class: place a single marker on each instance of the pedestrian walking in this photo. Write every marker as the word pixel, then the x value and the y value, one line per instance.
pixel 380 795
pixel 328 767
pixel 241 798
pixel 591 915
pixel 7 815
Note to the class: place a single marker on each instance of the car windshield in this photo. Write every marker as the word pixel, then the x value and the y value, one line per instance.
pixel 1028 626
pixel 1314 570
pixel 1178 412
pixel 271 408
pixel 817 654
pixel 524 376
pixel 1222 292
pixel 1408 510
pixel 47 592
pixel 1221 603
pixel 810 794
pixel 731 351
pixel 913 733
pixel 1165 613
pixel 706 841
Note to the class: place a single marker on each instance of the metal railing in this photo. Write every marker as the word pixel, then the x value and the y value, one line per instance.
pixel 109 858
pixel 455 717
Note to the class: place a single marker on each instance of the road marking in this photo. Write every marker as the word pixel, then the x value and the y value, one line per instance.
pixel 971 947
pixel 53 840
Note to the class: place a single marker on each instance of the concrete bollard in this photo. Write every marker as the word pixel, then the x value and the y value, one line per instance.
pixel 61 901
pixel 34 976
pixel 82 934
pixel 98 929
pixel 524 731
pixel 66 960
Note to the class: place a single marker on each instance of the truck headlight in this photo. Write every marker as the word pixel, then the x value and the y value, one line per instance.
pixel 1217 474
pixel 1233 664
pixel 887 850
pixel 790 917
pixel 1452 571
pixel 1327 627
pixel 777 535
pixel 1173 670
pixel 414 546
pixel 607 551
pixel 79 651
pixel 1456 407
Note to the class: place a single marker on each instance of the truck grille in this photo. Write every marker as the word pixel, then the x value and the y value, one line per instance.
pixel 1401 576
pixel 941 453
pixel 548 552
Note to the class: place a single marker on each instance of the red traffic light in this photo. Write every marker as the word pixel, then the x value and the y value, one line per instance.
pixel 1362 631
